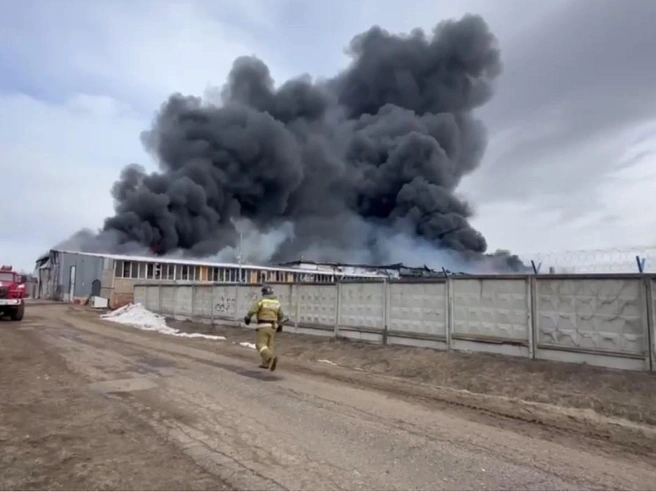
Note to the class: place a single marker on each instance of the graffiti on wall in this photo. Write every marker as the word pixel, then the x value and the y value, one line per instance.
pixel 225 305
pixel 228 304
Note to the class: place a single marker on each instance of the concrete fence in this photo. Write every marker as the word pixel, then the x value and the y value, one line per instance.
pixel 594 319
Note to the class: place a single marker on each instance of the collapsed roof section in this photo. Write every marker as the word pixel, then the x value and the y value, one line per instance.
pixel 396 270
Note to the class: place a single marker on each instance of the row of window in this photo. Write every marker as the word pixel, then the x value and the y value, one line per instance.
pixel 171 271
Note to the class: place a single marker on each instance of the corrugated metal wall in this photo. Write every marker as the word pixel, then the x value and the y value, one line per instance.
pixel 87 269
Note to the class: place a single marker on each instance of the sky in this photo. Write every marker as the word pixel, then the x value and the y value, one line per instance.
pixel 571 159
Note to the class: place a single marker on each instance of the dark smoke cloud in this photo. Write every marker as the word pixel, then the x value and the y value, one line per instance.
pixel 342 165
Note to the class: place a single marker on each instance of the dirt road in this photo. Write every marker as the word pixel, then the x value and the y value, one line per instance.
pixel 91 405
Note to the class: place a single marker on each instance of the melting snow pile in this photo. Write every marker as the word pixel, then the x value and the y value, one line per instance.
pixel 138 316
pixel 248 345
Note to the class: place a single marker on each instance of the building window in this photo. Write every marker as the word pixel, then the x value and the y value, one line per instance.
pixel 185 272
pixel 158 271
pixel 127 269
pixel 149 270
pixel 118 269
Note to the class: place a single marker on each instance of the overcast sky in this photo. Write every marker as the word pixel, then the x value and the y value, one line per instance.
pixel 571 160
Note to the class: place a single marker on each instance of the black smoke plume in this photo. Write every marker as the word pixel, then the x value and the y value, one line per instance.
pixel 362 167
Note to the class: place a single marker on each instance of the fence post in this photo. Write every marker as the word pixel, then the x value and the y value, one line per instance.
pixel 236 308
pixel 533 317
pixel 651 329
pixel 530 328
pixel 338 308
pixel 175 298
pixel 386 310
pixel 193 301
pixel 213 298
pixel 297 315
pixel 449 311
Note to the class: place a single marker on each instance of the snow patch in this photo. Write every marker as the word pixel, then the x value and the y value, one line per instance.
pixel 248 345
pixel 325 361
pixel 138 316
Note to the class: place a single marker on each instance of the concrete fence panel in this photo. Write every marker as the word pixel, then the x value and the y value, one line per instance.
pixel 167 296
pixel 140 296
pixel 606 321
pixel 224 298
pixel 316 309
pixel 152 298
pixel 600 321
pixel 417 314
pixel 361 310
pixel 286 296
pixel 183 306
pixel 246 296
pixel 491 315
pixel 202 302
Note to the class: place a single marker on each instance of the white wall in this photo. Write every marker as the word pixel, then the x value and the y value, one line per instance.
pixel 598 320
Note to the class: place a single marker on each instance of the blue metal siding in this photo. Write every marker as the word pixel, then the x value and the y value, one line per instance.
pixel 87 269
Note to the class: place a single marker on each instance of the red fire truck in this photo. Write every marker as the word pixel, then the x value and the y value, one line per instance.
pixel 12 293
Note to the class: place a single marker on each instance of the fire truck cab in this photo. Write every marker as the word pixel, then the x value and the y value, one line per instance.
pixel 12 293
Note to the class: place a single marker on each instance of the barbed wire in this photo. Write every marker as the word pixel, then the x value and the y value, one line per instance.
pixel 611 260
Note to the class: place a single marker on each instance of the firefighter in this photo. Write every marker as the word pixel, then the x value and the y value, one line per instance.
pixel 270 317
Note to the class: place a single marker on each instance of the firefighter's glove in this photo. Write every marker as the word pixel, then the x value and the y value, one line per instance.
pixel 247 320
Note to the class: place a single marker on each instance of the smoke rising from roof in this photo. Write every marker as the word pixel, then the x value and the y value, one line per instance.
pixel 329 169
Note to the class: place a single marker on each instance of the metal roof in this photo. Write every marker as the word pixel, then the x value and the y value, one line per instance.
pixel 199 262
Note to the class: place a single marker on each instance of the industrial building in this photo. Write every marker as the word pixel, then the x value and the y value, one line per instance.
pixel 72 276
pixel 396 270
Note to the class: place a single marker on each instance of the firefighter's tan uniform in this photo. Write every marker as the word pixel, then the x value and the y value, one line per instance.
pixel 269 315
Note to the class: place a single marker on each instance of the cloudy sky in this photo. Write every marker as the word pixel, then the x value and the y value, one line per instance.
pixel 570 164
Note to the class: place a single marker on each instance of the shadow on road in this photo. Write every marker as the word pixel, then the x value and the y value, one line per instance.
pixel 260 374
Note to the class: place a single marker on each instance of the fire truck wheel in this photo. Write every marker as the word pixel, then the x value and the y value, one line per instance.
pixel 18 313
